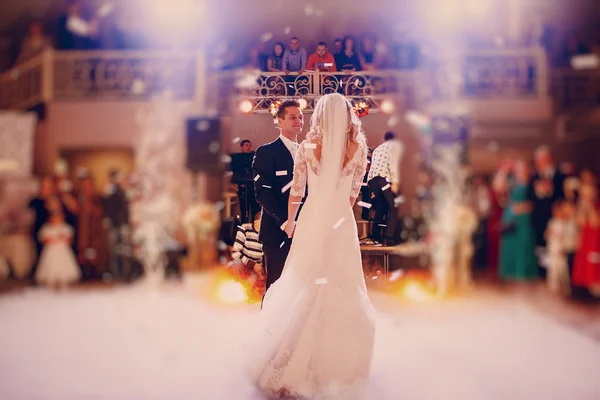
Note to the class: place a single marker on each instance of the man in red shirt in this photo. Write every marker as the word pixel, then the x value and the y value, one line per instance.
pixel 322 60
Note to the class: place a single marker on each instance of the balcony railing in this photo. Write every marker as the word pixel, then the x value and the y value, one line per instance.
pixel 138 75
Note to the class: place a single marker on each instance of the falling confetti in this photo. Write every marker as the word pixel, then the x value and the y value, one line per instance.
pixel 417 119
pixel 308 9
pixel 281 173
pixel 247 79
pixel 296 202
pixel 225 159
pixel 386 187
pixel 257 177
pixel 365 205
pixel 287 30
pixel 214 147
pixel 393 121
pixel 287 187
pixel 282 244
pixel 310 145
pixel 321 281
pixel 399 200
pixel 266 186
pixel 138 86
pixel 221 245
pixel 235 140
pixel 339 223
pixel 220 205
pixel 266 37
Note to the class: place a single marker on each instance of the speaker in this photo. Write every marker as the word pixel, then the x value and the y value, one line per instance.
pixel 203 144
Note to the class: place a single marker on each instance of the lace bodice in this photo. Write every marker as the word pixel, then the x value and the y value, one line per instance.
pixel 53 232
pixel 306 160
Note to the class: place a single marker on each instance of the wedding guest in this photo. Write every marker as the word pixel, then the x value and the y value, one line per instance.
pixel 90 231
pixel 586 268
pixel 116 212
pixel 348 59
pixel 482 205
pixel 58 267
pixel 321 59
pixel 498 199
pixel 517 259
pixel 384 182
pixel 275 61
pixel 557 276
pixel 294 58
pixel 546 186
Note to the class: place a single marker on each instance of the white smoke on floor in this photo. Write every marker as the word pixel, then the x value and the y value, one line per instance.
pixel 175 343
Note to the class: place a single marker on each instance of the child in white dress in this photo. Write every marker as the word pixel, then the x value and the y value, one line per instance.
pixel 58 267
pixel 557 231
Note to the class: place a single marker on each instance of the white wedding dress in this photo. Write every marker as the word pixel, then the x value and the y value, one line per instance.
pixel 316 333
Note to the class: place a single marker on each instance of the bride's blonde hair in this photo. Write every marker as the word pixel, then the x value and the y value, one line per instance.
pixel 354 129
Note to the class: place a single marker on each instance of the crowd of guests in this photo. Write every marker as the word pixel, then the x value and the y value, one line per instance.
pixel 540 222
pixel 80 233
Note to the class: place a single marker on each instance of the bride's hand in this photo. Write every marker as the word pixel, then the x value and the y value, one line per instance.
pixel 290 228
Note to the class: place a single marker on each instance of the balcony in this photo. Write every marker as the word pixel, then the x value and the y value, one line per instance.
pixel 496 84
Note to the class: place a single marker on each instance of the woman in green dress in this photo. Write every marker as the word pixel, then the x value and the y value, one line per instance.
pixel 517 258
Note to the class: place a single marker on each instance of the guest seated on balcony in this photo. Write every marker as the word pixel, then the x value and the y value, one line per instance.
pixel 74 31
pixel 34 43
pixel 321 59
pixel 348 60
pixel 369 58
pixel 294 58
pixel 275 61
pixel 338 49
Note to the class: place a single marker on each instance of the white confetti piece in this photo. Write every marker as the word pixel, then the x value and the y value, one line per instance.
pixel 257 177
pixel 308 9
pixel 225 159
pixel 266 37
pixel 310 145
pixel 365 205
pixel 287 30
pixel 321 281
pixel 393 121
pixel 214 147
pixel 585 61
pixel 228 173
pixel 386 187
pixel 282 244
pixel 281 173
pixel 219 205
pixel 382 225
pixel 399 200
pixel 365 184
pixel 221 245
pixel 235 140
pixel 375 277
pixel 287 187
pixel 266 186
pixel 339 223
pixel 296 202
pixel 394 276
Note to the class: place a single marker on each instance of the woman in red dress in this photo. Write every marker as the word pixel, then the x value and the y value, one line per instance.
pixel 586 267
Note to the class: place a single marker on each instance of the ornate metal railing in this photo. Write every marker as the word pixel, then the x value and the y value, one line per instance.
pixel 262 88
pixel 506 73
pixel 119 75
pixel 136 75
pixel 575 90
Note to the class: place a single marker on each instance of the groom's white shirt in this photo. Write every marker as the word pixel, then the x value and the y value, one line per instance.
pixel 293 149
pixel 291 146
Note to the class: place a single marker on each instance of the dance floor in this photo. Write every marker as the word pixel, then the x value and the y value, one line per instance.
pixel 173 341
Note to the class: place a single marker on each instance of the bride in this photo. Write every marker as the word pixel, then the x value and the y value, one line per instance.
pixel 316 328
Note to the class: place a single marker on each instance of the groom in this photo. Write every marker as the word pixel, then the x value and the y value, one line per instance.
pixel 273 171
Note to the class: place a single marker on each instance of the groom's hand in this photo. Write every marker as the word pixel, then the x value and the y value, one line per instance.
pixel 290 228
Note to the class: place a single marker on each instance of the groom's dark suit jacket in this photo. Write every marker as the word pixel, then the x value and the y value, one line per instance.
pixel 274 166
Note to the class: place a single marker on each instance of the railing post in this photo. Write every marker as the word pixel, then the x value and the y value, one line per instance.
pixel 47 91
pixel 541 72
pixel 316 83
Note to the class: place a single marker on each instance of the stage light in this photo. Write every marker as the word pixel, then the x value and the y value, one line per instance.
pixel 232 292
pixel 246 106
pixel 303 104
pixel 173 19
pixel 387 106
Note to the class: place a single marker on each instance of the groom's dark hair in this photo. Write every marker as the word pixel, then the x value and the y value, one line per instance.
pixel 285 104
pixel 388 136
